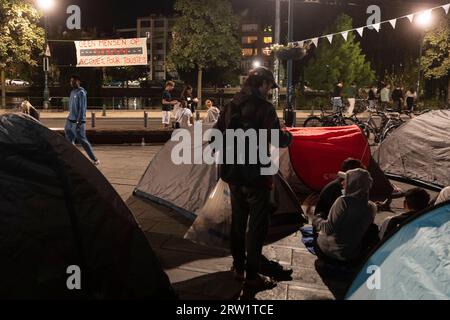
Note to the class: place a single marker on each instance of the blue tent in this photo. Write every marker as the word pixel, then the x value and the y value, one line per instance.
pixel 412 264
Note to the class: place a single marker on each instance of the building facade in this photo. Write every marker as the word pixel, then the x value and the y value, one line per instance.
pixel 158 31
pixel 256 41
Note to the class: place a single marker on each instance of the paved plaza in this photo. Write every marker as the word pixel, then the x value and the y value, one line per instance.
pixel 198 272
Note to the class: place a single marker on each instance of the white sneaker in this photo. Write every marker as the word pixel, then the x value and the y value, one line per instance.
pixel 96 163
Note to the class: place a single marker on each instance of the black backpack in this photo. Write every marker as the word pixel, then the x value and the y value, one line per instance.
pixel 248 175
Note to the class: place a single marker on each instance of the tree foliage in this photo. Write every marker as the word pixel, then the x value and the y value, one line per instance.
pixel 340 61
pixel 21 39
pixel 205 35
pixel 436 57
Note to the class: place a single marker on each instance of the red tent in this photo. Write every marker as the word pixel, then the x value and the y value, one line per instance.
pixel 316 156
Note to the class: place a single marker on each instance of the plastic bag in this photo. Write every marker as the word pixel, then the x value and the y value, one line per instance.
pixel 213 224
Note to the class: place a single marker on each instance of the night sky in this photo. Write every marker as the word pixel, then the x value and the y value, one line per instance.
pixel 388 48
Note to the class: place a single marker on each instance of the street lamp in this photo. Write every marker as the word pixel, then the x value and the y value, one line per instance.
pixel 256 64
pixel 46 6
pixel 424 20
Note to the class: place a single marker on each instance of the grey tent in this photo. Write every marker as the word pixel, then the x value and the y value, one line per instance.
pixel 419 150
pixel 411 264
pixel 57 210
pixel 186 187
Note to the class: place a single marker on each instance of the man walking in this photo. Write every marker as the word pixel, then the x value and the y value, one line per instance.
pixel 251 191
pixel 352 94
pixel 75 129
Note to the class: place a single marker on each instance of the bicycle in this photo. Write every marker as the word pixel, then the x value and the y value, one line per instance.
pixel 327 119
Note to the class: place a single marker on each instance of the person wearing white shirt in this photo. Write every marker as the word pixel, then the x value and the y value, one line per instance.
pixel 385 96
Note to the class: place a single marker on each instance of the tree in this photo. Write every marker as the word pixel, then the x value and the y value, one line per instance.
pixel 340 61
pixel 21 39
pixel 436 57
pixel 204 37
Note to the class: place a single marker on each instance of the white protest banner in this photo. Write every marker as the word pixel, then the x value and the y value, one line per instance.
pixel 112 53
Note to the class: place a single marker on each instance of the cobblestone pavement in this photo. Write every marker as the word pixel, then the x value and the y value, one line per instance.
pixel 198 272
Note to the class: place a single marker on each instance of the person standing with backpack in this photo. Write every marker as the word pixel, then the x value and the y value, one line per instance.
pixel 251 192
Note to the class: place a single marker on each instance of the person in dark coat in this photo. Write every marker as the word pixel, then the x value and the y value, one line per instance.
pixel 416 200
pixel 398 98
pixel 251 191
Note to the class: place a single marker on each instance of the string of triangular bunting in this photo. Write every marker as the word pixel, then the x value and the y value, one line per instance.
pixel 360 30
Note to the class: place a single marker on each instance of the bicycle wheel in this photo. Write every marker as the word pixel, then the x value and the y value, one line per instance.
pixel 346 121
pixel 389 131
pixel 313 122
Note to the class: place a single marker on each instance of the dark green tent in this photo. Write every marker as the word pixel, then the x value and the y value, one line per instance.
pixel 57 210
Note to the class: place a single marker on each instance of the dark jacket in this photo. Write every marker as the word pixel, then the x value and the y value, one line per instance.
pixel 393 224
pixel 397 95
pixel 328 197
pixel 249 110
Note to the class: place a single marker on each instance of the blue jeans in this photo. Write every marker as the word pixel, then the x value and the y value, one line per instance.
pixel 76 132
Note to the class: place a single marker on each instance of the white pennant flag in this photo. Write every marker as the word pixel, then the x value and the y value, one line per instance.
pixel 315 41
pixel 446 7
pixel 330 38
pixel 360 31
pixel 345 35
pixel 377 26
pixel 393 23
pixel 410 17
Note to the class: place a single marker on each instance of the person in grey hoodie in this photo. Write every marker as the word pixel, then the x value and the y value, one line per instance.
pixel 342 235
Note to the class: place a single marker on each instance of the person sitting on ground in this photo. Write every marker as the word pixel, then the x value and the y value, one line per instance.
pixel 184 115
pixel 28 109
pixel 213 112
pixel 416 200
pixel 341 236
pixel 444 196
pixel 333 190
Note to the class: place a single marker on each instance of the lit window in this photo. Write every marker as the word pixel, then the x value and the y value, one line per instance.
pixel 247 52
pixel 267 51
pixel 268 40
pixel 249 39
